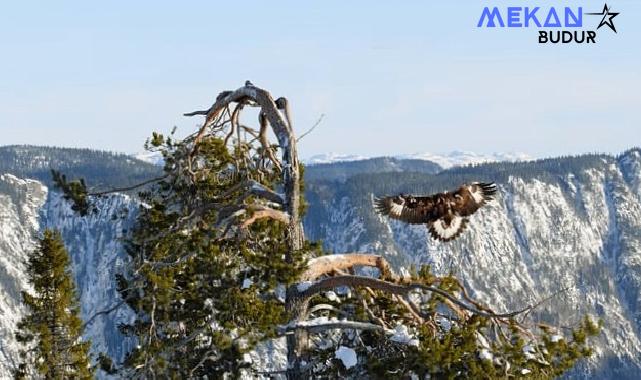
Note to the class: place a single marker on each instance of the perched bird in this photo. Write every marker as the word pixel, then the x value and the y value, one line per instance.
pixel 446 214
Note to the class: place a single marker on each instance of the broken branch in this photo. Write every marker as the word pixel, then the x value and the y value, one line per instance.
pixel 325 265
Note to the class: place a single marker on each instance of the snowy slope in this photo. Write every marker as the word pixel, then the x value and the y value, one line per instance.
pixel 154 158
pixel 580 230
pixel 20 203
pixel 329 158
pixel 577 228
pixel 95 246
pixel 26 207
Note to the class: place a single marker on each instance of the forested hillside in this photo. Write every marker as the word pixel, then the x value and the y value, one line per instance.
pixel 340 171
pixel 568 222
pixel 564 221
pixel 101 169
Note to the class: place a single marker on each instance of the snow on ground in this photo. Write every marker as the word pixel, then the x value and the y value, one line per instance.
pixel 247 283
pixel 20 202
pixel 347 356
pixel 403 335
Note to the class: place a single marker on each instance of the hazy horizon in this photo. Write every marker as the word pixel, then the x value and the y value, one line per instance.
pixel 390 79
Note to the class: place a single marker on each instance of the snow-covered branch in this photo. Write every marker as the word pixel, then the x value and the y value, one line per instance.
pixel 320 325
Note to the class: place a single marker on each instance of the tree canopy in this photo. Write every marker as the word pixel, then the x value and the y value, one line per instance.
pixel 51 331
pixel 220 264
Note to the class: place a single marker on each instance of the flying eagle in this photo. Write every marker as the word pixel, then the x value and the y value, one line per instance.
pixel 446 214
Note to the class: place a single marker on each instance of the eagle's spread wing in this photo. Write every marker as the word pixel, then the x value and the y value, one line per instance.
pixel 470 198
pixel 414 210
pixel 445 213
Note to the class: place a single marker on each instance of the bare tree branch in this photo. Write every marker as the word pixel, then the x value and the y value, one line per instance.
pixel 403 290
pixel 244 95
pixel 262 137
pixel 373 316
pixel 127 188
pixel 403 300
pixel 320 119
pixel 103 312
pixel 266 213
pixel 255 188
pixel 325 265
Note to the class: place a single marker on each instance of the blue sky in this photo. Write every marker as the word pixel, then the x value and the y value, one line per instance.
pixel 390 77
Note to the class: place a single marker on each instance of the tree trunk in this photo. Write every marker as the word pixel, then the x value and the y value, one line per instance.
pixel 295 306
pixel 279 116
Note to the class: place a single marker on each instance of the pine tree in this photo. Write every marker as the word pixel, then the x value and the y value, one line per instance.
pixel 203 299
pixel 219 263
pixel 51 330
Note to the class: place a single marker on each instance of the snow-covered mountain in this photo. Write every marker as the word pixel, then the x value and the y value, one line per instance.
pixel 445 160
pixel 26 208
pixel 564 222
pixel 154 158
pixel 462 158
pixel 330 158
pixel 95 245
pixel 571 222
pixel 20 205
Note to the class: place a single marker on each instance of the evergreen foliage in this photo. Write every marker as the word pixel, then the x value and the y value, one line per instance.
pixel 208 281
pixel 340 171
pixel 74 191
pixel 52 329
pixel 203 302
pixel 203 296
pixel 445 345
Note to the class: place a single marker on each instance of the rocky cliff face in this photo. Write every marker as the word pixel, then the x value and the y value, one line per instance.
pixel 558 223
pixel 95 245
pixel 577 227
pixel 26 208
pixel 20 203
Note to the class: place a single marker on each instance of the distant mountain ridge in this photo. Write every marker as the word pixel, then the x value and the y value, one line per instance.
pixel 99 168
pixel 391 163
pixel 445 161
pixel 342 170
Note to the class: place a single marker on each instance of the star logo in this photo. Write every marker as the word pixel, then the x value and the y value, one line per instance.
pixel 607 17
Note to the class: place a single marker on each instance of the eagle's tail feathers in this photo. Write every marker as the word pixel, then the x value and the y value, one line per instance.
pixel 446 236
